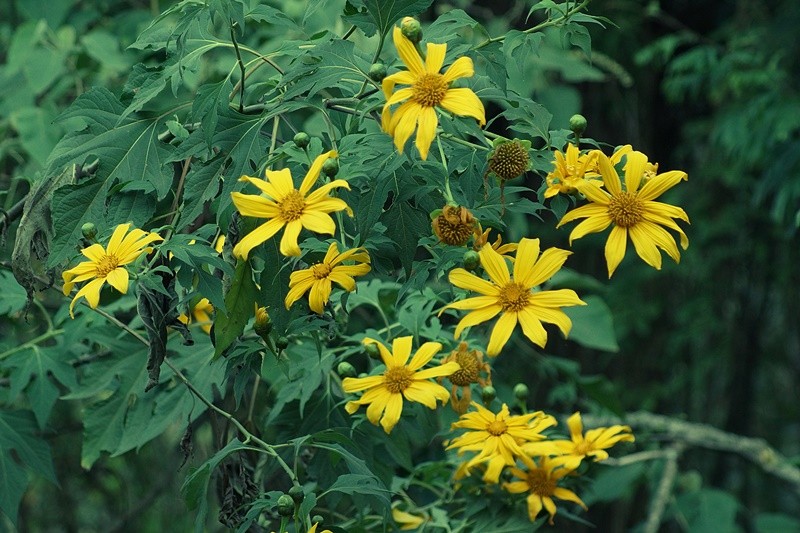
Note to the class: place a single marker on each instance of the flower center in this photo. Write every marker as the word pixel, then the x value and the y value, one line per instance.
pixel 470 368
pixel 540 483
pixel 292 206
pixel 510 159
pixel 497 428
pixel 625 209
pixel 514 297
pixel 106 265
pixel 397 379
pixel 429 90
pixel 582 448
pixel 321 270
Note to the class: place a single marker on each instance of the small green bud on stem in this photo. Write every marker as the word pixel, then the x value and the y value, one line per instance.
pixel 330 167
pixel 301 139
pixel 412 30
pixel 377 72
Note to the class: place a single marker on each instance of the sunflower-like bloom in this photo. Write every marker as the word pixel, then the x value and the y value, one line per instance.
pixel 593 444
pixel 108 264
pixel 401 379
pixel 571 169
pixel 286 206
pixel 317 279
pixel 541 483
pixel 407 521
pixel 497 437
pixel 472 365
pixel 632 211
pixel 512 297
pixel 201 313
pixel 428 89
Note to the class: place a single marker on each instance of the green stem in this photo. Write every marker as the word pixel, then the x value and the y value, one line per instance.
pixel 448 194
pixel 241 68
pixel 348 33
pixel 31 343
pixel 462 142
pixel 540 26
pixel 381 40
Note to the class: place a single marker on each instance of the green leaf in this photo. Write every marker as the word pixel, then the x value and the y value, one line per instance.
pixel 74 205
pixel 593 325
pixel 18 431
pixel 13 483
pixel 275 286
pixel 37 135
pixel 708 511
pixel 613 483
pixel 406 225
pixel 136 207
pixel 359 484
pixel 14 296
pixel 210 99
pixel 775 523
pixel 203 183
pixel 528 118
pixel 333 64
pixel 380 15
pixel 239 306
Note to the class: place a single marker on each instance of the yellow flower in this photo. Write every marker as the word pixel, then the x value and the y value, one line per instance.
pixel 541 482
pixel 428 89
pixel 631 211
pixel 201 313
pixel 107 264
pixel 471 363
pixel 497 437
pixel 286 206
pixel 572 168
pixel 318 278
pixel 592 444
pixel 407 521
pixel 384 393
pixel 313 529
pixel 512 297
pixel 220 244
pixel 503 249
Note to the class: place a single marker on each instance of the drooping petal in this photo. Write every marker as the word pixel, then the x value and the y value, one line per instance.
pixel 665 210
pixel 532 327
pixel 615 248
pixel 297 290
pixel 319 294
pixel 391 416
pixel 461 68
pixel 476 317
pixel 534 506
pixel 317 222
pixel 645 247
pixel 118 278
pixel 257 236
pixel 464 103
pixel 552 315
pixel 264 186
pixel 312 175
pixel 501 332
pixel 90 291
pixel 289 247
pixel 421 392
pixel 661 238
pixel 404 122
pixel 426 131
pixel 592 224
pixel 343 280
pixel 376 407
pixel 407 52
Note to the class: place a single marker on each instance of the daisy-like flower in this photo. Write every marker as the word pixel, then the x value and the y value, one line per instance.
pixel 472 365
pixel 402 379
pixel 107 265
pixel 497 437
pixel 286 206
pixel 541 483
pixel 201 313
pixel 571 169
pixel 593 444
pixel 632 211
pixel 318 278
pixel 512 297
pixel 428 89
pixel 407 521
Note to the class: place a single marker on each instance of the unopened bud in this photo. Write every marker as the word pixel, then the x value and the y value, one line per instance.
pixel 346 370
pixel 297 494
pixel 412 30
pixel 577 123
pixel 330 167
pixel 301 139
pixel 317 519
pixel 372 350
pixel 471 260
pixel 89 231
pixel 263 324
pixel 281 342
pixel 488 394
pixel 285 505
pixel 377 72
pixel 521 392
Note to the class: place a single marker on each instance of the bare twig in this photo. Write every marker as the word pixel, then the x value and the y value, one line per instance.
pixel 664 490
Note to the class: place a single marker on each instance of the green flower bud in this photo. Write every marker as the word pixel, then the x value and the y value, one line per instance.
pixel 377 72
pixel 281 342
pixel 346 370
pixel 412 30
pixel 488 394
pixel 317 519
pixel 521 392
pixel 301 139
pixel 471 260
pixel 330 167
pixel 577 123
pixel 89 231
pixel 285 505
pixel 373 351
pixel 297 494
pixel 263 324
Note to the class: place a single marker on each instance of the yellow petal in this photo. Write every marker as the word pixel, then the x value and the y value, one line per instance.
pixel 312 175
pixel 407 52
pixel 582 212
pixel 250 205
pixel 553 315
pixel 359 384
pixel 343 280
pixel 404 122
pixel 592 224
pixel 461 68
pixel 615 248
pixel 118 278
pixel 471 303
pixel 90 291
pixel 434 58
pixel 281 181
pixel 401 350
pixel 548 264
pixel 426 131
pixel 466 280
pixel 116 238
pixel 256 237
pixel 501 332
pixel 391 416
pixel 264 186
pixel 645 247
pixel 661 184
pixel 495 265
pixel 424 354
pixel 532 327
pixel 317 222
pixel 465 103
pixel 476 317
pixel 400 96
pixel 609 173
pixel 404 76
pixel 435 372
pixel 296 291
pixel 318 295
pixel 289 247
pixel 527 254
pixel 635 163
pixel 94 252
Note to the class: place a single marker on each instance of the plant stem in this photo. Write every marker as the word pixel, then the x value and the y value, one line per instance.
pixel 540 26
pixel 31 343
pixel 241 67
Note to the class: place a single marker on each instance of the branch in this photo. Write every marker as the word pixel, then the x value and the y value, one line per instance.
pixel 664 490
